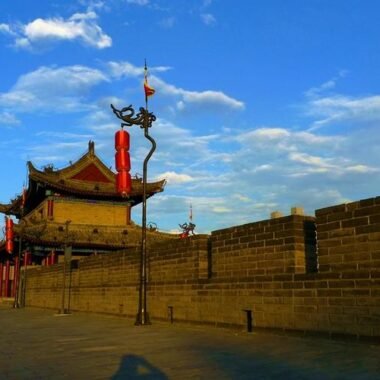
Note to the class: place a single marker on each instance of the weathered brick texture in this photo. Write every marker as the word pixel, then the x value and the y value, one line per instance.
pixel 349 236
pixel 281 245
pixel 267 268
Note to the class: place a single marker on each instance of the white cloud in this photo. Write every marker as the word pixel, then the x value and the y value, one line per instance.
pixel 56 151
pixel 206 3
pixel 64 79
pixel 258 175
pixel 265 134
pixel 8 118
pixel 208 19
pixel 241 197
pixel 80 26
pixel 5 28
pixel 335 165
pixel 322 196
pixel 231 176
pixel 253 181
pixel 328 85
pixel 221 209
pixel 166 207
pixel 361 169
pixel 329 108
pixel 64 135
pixel 284 162
pixel 207 97
pixel 174 178
pixel 61 89
pixel 308 159
pixel 355 106
pixel 264 167
pixel 159 69
pixel 126 69
pixel 168 22
pixel 138 2
pixel 175 143
pixel 181 105
pixel 285 139
pixel 93 4
pixel 216 97
pixel 186 97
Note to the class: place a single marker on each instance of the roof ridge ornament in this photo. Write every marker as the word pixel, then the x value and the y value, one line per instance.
pixel 91 147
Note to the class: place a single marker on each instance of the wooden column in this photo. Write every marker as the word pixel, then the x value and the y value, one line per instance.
pixel 128 215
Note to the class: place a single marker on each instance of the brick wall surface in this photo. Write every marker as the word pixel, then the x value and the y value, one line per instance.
pixel 80 212
pixel 349 236
pixel 267 268
pixel 281 245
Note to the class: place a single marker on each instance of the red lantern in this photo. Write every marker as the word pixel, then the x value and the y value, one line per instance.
pixel 122 140
pixel 8 223
pixel 123 163
pixel 9 229
pixel 9 235
pixel 123 183
pixel 123 160
pixel 9 246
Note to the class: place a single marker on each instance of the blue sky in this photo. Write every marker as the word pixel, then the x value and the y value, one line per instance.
pixel 260 105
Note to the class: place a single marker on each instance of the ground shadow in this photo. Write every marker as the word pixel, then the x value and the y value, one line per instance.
pixel 247 366
pixel 136 367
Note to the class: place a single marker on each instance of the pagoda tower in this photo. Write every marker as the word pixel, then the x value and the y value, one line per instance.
pixel 78 206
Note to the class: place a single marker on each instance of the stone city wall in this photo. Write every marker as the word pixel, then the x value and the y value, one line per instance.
pixel 274 274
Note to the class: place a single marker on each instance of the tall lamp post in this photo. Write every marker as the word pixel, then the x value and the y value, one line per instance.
pixel 144 119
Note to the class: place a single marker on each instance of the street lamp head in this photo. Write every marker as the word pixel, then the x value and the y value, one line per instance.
pixel 143 118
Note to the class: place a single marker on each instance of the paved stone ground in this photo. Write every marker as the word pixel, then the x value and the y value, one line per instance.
pixel 36 344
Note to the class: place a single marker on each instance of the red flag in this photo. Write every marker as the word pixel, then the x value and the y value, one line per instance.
pixel 149 91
